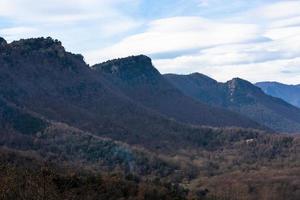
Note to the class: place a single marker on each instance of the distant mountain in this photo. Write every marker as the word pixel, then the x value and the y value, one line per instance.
pixel 240 96
pixel 137 78
pixel 289 93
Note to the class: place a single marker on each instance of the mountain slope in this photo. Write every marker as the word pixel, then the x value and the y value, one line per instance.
pixel 240 96
pixel 289 93
pixel 23 130
pixel 13 119
pixel 137 78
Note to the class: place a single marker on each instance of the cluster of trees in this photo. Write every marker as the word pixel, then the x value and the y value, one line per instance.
pixel 256 184
pixel 24 178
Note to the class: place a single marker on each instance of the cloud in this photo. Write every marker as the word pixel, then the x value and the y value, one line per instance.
pixel 277 59
pixel 69 10
pixel 6 32
pixel 261 44
pixel 179 34
pixel 79 24
pixel 257 40
pixel 103 15
pixel 278 10
pixel 268 70
pixel 289 22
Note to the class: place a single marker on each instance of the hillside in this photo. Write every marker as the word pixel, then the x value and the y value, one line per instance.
pixel 240 96
pixel 289 93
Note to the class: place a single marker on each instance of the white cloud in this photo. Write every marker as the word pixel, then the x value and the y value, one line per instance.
pixel 289 22
pixel 261 44
pixel 49 16
pixel 46 9
pixel 177 34
pixel 79 24
pixel 279 10
pixel 283 70
pixel 17 30
pixel 256 44
pixel 272 60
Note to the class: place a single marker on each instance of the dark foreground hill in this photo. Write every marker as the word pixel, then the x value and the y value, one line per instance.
pixel 68 132
pixel 243 97
pixel 289 93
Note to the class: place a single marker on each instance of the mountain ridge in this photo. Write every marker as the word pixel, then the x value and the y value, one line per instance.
pixel 243 97
pixel 137 78
pixel 62 87
pixel 289 93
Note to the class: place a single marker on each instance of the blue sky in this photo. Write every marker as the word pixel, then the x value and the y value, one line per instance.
pixel 257 40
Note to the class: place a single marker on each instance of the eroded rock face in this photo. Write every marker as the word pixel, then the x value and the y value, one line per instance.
pixel 38 55
pixel 133 68
pixel 37 44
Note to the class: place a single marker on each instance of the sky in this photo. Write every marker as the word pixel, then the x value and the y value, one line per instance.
pixel 257 40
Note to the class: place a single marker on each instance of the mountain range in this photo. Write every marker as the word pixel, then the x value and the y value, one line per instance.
pixel 289 93
pixel 242 97
pixel 137 78
pixel 71 131
pixel 38 75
